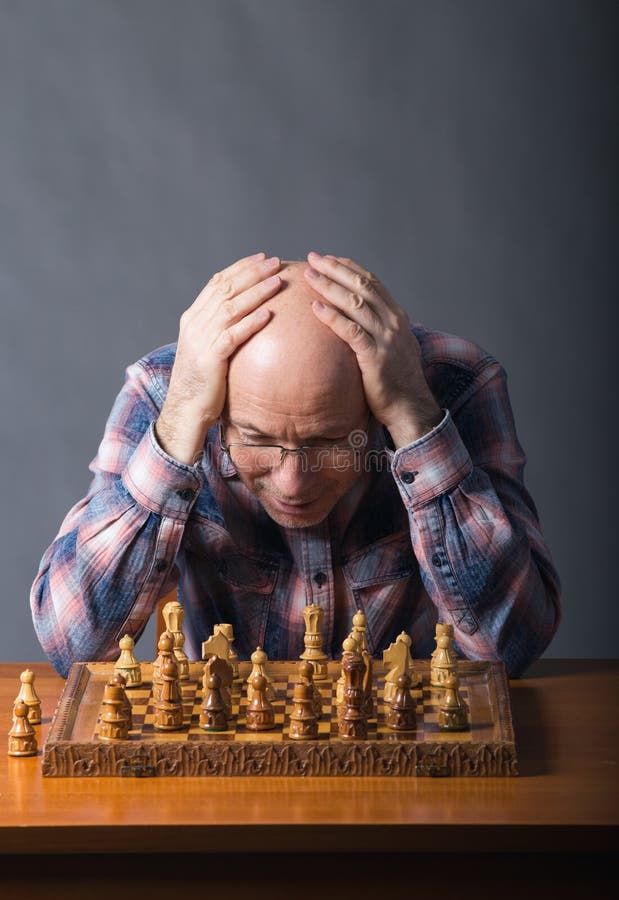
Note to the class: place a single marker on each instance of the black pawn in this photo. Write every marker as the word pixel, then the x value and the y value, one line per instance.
pixel 306 673
pixel 214 712
pixel 260 714
pixel 402 715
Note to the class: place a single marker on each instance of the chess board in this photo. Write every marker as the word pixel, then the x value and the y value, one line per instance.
pixel 487 747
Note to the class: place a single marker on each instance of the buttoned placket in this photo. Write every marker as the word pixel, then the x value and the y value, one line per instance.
pixel 318 574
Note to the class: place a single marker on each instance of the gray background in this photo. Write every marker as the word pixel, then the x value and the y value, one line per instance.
pixel 462 150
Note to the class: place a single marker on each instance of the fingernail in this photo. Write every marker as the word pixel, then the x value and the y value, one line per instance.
pixel 320 306
pixel 257 255
pixel 312 273
pixel 271 261
pixel 313 253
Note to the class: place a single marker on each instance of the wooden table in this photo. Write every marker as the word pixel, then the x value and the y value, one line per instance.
pixel 563 806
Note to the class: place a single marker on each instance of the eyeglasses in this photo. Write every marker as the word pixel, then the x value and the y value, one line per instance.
pixel 312 458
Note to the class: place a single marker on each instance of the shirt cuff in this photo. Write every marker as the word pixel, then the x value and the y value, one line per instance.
pixel 432 465
pixel 160 483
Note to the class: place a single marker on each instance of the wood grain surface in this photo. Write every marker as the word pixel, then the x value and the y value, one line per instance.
pixel 565 798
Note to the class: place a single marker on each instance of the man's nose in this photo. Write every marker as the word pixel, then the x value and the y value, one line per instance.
pixel 293 475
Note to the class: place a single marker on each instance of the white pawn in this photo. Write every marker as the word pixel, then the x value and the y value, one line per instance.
pixel 359 629
pixel 127 665
pixel 259 660
pixel 444 662
pixel 28 694
pixel 442 628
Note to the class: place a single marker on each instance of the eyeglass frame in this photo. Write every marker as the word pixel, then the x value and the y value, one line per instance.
pixel 304 448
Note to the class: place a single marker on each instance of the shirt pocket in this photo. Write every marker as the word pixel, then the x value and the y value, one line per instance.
pixel 235 584
pixel 388 559
pixel 384 579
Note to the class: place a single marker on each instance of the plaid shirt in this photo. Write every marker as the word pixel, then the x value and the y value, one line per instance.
pixel 446 530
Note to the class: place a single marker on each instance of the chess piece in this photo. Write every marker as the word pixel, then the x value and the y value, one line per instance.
pixel 359 629
pixel 440 629
pixel 217 645
pixel 113 725
pixel 169 703
pixel 368 701
pixel 119 680
pixel 444 662
pixel 165 646
pixel 306 674
pixel 22 740
pixel 217 666
pixel 214 713
pixel 402 711
pixel 349 646
pixel 303 721
pixel 398 656
pixel 259 660
pixel 352 721
pixel 313 640
pixel 127 665
pixel 260 714
pixel 28 694
pixel 453 713
pixel 173 616
pixel 227 630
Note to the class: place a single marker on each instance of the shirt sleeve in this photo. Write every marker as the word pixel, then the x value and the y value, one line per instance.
pixel 117 550
pixel 475 529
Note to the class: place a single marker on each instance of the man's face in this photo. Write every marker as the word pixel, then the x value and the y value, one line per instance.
pixel 299 490
pixel 295 383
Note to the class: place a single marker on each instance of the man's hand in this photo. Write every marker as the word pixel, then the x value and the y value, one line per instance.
pixel 361 311
pixel 225 314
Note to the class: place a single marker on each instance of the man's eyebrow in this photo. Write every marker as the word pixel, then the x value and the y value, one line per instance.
pixel 247 428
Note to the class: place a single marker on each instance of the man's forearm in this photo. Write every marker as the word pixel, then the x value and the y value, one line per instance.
pixel 416 420
pixel 416 427
pixel 181 431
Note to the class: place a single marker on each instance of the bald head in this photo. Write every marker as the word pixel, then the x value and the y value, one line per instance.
pixel 295 371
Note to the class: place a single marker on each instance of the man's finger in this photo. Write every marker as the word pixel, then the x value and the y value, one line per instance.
pixel 365 273
pixel 352 333
pixel 361 307
pixel 226 285
pixel 245 260
pixel 235 335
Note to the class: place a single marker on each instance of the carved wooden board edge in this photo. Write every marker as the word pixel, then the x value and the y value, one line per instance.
pixel 65 758
pixel 500 683
pixel 310 758
pixel 68 702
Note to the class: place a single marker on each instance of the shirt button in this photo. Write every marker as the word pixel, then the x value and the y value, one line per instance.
pixel 161 565
pixel 320 578
pixel 408 477
pixel 436 560
pixel 185 494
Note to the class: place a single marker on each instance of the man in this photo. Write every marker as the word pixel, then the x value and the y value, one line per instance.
pixel 303 443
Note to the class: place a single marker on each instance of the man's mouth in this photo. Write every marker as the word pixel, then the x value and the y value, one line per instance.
pixel 292 507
